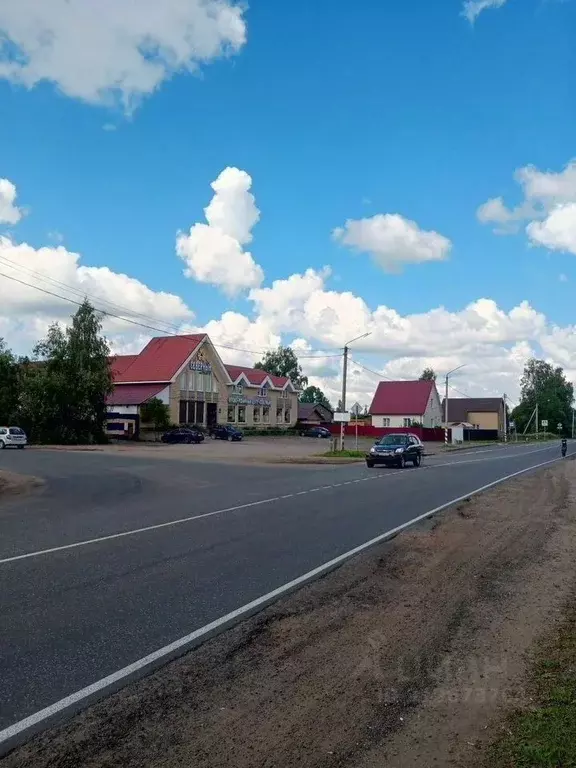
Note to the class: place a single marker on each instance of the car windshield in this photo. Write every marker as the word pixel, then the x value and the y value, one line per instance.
pixel 15 431
pixel 394 440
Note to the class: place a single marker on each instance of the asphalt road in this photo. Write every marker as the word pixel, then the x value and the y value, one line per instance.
pixel 82 611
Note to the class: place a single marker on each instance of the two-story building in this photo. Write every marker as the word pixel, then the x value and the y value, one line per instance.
pixel 404 403
pixel 188 375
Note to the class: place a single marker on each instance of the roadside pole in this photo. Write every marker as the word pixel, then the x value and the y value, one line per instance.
pixel 344 375
pixel 446 415
pixel 505 420
pixel 572 423
pixel 537 425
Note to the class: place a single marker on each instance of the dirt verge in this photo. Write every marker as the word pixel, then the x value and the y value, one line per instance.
pixel 402 657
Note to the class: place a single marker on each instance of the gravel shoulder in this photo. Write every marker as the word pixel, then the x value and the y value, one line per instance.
pixel 405 656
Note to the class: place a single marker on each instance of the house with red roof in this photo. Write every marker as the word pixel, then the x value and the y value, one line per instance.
pixel 404 403
pixel 188 375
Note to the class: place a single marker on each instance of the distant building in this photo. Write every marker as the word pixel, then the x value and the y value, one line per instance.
pixel 312 414
pixel 480 412
pixel 187 374
pixel 404 403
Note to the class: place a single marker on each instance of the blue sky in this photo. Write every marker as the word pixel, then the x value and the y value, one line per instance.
pixel 337 111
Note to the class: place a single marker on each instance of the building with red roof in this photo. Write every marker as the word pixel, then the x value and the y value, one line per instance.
pixel 404 403
pixel 188 375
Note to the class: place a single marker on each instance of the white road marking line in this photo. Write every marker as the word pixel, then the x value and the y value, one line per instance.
pixel 248 505
pixel 194 638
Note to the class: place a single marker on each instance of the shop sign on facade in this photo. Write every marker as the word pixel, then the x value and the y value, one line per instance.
pixel 235 399
pixel 202 366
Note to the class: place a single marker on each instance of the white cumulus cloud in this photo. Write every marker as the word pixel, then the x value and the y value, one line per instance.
pixel 548 205
pixel 9 211
pixel 214 252
pixel 473 8
pixel 114 49
pixel 393 241
pixel 26 311
pixel 558 231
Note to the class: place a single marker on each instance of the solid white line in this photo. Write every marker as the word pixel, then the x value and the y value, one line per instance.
pixel 233 616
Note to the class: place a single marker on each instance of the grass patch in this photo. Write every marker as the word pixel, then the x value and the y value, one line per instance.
pixel 544 736
pixel 344 454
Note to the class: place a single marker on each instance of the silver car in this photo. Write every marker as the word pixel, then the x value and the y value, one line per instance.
pixel 12 437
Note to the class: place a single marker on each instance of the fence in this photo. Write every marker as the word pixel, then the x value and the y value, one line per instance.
pixel 425 434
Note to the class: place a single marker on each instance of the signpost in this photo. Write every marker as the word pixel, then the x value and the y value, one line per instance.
pixel 342 416
pixel 544 422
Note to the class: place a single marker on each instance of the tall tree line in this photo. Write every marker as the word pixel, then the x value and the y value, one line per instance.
pixel 59 394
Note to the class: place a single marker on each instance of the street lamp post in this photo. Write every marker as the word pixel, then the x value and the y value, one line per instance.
pixel 344 377
pixel 446 403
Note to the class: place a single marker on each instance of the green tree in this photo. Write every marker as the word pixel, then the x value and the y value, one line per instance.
pixel 9 386
pixel 283 362
pixel 64 392
pixel 428 374
pixel 156 413
pixel 315 395
pixel 547 387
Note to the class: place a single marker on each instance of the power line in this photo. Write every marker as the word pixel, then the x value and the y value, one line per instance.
pixel 375 373
pixel 459 392
pixel 144 325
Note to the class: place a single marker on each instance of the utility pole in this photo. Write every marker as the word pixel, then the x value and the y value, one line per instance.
pixel 537 424
pixel 446 415
pixel 344 377
pixel 446 403
pixel 572 423
pixel 505 420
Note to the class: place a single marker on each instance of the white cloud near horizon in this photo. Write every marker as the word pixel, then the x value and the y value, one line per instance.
pixel 473 8
pixel 302 309
pixel 114 50
pixel 393 241
pixel 214 252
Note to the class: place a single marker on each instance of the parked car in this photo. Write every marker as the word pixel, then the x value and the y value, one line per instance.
pixel 12 437
pixel 316 432
pixel 396 450
pixel 226 432
pixel 183 435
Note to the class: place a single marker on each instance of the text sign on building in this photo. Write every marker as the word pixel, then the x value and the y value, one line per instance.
pixel 243 400
pixel 200 366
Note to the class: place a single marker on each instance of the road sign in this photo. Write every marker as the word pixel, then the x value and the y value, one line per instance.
pixel 512 425
pixel 544 422
pixel 341 416
pixel 559 426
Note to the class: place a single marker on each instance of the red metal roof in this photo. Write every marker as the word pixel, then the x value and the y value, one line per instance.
pixel 119 363
pixel 401 398
pixel 255 376
pixel 160 359
pixel 133 394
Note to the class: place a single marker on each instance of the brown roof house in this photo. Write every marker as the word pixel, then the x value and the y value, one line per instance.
pixel 480 412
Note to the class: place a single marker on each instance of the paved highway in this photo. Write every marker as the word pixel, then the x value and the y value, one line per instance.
pixel 86 592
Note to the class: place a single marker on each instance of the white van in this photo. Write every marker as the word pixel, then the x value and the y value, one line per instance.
pixel 12 437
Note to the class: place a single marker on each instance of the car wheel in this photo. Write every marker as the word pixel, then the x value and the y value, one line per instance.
pixel 370 464
pixel 402 462
pixel 213 435
pixel 229 437
pixel 417 460
pixel 2 444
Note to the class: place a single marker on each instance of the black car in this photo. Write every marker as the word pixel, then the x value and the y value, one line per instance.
pixel 316 432
pixel 226 432
pixel 183 435
pixel 396 450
